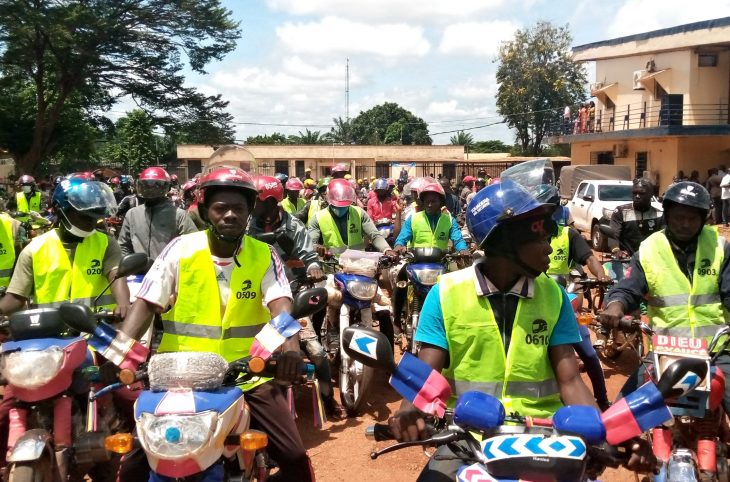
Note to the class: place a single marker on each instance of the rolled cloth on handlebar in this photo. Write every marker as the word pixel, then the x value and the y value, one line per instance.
pixel 634 414
pixel 117 347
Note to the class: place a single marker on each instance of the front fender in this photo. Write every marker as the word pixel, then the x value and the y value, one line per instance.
pixel 31 445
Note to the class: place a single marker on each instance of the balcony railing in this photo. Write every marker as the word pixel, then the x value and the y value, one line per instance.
pixel 639 116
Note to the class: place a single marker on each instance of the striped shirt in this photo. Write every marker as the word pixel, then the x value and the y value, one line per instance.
pixel 159 286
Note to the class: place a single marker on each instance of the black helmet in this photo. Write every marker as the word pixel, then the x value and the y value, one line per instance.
pixel 688 194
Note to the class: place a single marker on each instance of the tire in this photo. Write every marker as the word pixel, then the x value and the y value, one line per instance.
pixel 355 380
pixel 38 471
pixel 598 240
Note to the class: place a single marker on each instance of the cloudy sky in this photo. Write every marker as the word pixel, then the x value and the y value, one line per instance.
pixel 433 57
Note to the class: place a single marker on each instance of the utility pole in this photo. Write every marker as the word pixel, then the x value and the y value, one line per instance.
pixel 347 90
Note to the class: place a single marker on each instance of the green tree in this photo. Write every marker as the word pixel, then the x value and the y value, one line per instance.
pixel 266 139
pixel 537 77
pixel 340 133
pixel 307 138
pixel 487 147
pixel 113 49
pixel 133 143
pixel 462 138
pixel 389 123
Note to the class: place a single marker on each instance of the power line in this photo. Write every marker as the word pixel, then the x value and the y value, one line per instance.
pixel 467 129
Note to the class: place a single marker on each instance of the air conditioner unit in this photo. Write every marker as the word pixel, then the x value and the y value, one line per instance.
pixel 638 74
pixel 620 150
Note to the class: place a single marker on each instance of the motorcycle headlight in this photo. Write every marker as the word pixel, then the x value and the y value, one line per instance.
pixel 33 368
pixel 362 290
pixel 171 436
pixel 427 277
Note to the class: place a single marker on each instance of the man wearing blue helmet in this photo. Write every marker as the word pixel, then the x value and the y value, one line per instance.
pixel 500 326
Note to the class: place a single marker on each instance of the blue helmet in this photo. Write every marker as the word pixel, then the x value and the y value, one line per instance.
pixel 91 198
pixel 381 184
pixel 500 203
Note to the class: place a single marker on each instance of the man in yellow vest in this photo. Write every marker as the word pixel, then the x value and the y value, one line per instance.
pixel 316 203
pixel 500 326
pixel 342 225
pixel 12 240
pixel 223 287
pixel 292 202
pixel 72 262
pixel 27 198
pixel 682 272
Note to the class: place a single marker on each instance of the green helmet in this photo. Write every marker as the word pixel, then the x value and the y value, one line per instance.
pixel 323 182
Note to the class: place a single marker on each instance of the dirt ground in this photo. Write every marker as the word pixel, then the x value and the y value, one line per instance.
pixel 341 452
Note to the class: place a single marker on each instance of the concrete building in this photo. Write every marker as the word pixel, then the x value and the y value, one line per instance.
pixel 661 102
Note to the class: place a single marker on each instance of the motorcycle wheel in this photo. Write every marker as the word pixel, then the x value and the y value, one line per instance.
pixel 355 380
pixel 30 472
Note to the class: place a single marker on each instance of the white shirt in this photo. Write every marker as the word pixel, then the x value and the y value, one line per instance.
pixel 725 185
pixel 160 284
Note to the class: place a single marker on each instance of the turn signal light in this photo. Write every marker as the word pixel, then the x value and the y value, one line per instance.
pixel 127 376
pixel 256 365
pixel 120 443
pixel 585 319
pixel 252 440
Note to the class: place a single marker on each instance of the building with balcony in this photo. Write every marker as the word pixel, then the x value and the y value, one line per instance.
pixel 661 102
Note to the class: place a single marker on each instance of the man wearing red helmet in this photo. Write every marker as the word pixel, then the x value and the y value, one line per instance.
pixel 190 200
pixel 149 227
pixel 223 287
pixel 467 189
pixel 292 202
pixel 343 225
pixel 340 171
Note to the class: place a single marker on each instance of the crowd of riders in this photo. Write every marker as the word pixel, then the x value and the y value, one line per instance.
pixel 224 246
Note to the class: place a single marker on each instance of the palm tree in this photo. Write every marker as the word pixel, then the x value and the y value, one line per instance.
pixel 307 137
pixel 462 138
pixel 340 133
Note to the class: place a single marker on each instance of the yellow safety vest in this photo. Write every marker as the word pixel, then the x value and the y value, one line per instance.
pixel 676 307
pixel 289 207
pixel 331 235
pixel 559 264
pixel 23 207
pixel 57 281
pixel 7 249
pixel 313 209
pixel 523 379
pixel 195 322
pixel 424 237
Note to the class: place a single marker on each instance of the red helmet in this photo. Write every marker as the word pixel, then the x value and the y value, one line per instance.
pixel 115 181
pixel 153 183
pixel 469 179
pixel 190 185
pixel 25 179
pixel 268 187
pixel 228 177
pixel 173 178
pixel 433 187
pixel 391 182
pixel 294 184
pixel 340 193
pixel 86 176
pixel 341 167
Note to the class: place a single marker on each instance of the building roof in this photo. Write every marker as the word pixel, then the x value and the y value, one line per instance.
pixel 705 33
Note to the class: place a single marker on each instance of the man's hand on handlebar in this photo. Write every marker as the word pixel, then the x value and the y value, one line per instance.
pixel 120 311
pixel 289 366
pixel 316 273
pixel 408 424
pixel 611 316
pixel 392 254
pixel 322 251
pixel 400 249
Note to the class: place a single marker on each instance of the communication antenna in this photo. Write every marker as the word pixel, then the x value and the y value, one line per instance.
pixel 347 90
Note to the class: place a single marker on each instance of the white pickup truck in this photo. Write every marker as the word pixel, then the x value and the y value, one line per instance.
pixel 594 202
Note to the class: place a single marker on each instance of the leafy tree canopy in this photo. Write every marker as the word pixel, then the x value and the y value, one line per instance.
pixel 268 139
pixel 389 123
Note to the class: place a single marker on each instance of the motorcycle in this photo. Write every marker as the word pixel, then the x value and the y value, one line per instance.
pixel 690 449
pixel 571 446
pixel 48 370
pixel 351 293
pixel 193 421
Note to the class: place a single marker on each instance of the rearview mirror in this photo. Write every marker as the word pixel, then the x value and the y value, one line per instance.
pixel 132 264
pixel 588 198
pixel 681 377
pixel 309 302
pixel 369 347
pixel 37 323
pixel 78 316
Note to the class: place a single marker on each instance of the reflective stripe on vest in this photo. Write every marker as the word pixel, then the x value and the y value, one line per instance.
pixel 559 257
pixel 675 307
pixel 523 379
pixel 331 235
pixel 56 281
pixel 7 249
pixel 424 237
pixel 289 207
pixel 22 204
pixel 195 323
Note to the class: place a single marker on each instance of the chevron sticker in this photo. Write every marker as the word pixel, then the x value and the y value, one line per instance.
pixel 528 445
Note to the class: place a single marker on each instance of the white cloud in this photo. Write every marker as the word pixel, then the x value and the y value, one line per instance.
pixel 387 10
pixel 479 89
pixel 638 16
pixel 476 38
pixel 333 35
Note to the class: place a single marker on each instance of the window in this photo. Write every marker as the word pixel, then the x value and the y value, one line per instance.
pixel 281 167
pixel 615 193
pixel 299 168
pixel 194 167
pixel 602 157
pixel 591 191
pixel 707 60
pixel 641 164
pixel 382 169
pixel 582 189
pixel 449 170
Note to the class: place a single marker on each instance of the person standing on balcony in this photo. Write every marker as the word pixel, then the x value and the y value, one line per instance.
pixel 566 120
pixel 591 116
